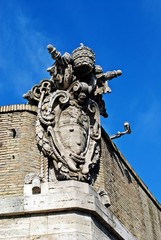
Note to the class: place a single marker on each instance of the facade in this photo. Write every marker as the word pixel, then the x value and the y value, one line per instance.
pixel 61 176
pixel 69 209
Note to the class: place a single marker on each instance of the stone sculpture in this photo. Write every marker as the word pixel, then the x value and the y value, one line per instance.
pixel 68 119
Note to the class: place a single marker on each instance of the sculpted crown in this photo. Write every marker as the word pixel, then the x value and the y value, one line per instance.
pixel 83 59
pixel 83 51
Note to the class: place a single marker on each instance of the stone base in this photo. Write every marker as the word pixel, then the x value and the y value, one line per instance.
pixel 67 210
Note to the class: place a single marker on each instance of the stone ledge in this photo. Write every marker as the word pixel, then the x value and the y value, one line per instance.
pixel 18 107
pixel 62 197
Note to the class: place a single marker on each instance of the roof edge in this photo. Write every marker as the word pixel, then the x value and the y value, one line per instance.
pixel 132 171
pixel 18 107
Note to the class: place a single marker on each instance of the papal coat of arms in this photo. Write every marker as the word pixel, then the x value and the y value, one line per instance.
pixel 68 119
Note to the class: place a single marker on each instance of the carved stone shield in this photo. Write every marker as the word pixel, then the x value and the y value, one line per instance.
pixel 67 133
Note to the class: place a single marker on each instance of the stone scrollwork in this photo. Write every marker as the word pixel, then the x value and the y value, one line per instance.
pixel 68 128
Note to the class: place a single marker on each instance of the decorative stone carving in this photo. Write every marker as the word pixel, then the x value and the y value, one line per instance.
pixel 29 178
pixel 68 120
pixel 104 197
pixel 35 180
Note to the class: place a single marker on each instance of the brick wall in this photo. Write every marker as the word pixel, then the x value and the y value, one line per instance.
pixel 18 150
pixel 131 201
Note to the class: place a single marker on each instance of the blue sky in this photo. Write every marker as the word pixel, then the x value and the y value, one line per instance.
pixel 123 34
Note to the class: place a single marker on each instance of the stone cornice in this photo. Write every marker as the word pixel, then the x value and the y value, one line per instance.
pixel 18 107
pixel 66 196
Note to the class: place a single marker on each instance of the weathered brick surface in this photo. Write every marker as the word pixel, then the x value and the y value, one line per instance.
pixel 18 150
pixel 131 201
